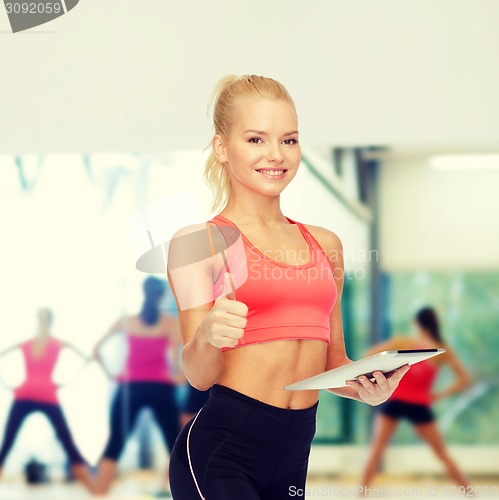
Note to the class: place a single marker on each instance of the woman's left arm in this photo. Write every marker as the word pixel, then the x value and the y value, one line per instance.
pixel 87 359
pixel 463 377
pixel 372 393
pixel 73 348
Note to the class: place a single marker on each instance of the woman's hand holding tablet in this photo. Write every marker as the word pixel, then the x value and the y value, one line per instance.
pixel 355 373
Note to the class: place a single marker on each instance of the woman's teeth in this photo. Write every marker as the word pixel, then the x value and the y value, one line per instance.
pixel 271 172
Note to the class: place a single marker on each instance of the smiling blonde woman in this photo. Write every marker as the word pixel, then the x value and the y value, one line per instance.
pixel 251 440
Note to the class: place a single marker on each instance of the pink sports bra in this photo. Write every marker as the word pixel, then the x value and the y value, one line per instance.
pixel 38 385
pixel 147 359
pixel 284 301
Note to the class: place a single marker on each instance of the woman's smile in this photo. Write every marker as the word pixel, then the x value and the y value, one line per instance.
pixel 273 173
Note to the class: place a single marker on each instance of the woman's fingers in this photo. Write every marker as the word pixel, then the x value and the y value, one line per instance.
pixel 378 391
pixel 234 320
pixel 359 388
pixel 371 387
pixel 232 306
pixel 381 380
pixel 397 376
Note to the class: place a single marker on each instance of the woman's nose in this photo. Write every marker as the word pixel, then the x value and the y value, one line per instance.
pixel 274 152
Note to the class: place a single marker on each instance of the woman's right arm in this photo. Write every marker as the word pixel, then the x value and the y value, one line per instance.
pixel 207 328
pixel 202 362
pixel 9 349
pixel 117 326
pixel 4 353
pixel 206 325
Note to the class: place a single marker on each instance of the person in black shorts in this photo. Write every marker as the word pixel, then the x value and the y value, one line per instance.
pixel 415 413
pixel 414 395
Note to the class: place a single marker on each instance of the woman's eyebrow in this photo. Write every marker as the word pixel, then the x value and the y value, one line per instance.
pixel 262 132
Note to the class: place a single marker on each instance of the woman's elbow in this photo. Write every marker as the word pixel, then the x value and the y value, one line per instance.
pixel 202 387
pixel 200 380
pixel 467 382
pixel 199 383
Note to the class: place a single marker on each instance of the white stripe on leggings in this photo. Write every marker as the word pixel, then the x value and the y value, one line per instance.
pixel 189 455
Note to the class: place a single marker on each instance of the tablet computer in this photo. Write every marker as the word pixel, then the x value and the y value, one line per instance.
pixel 386 362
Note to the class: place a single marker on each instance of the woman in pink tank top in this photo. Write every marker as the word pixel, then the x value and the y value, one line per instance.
pixel 258 313
pixel 149 377
pixel 38 393
pixel 413 397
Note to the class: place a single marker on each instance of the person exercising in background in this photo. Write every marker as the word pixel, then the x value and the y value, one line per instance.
pixel 413 397
pixel 148 379
pixel 38 393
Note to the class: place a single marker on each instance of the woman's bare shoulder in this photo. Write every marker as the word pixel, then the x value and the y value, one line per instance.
pixel 323 234
pixel 58 340
pixel 191 245
pixel 202 237
pixel 406 342
pixel 190 228
pixel 186 236
pixel 194 227
pixel 329 241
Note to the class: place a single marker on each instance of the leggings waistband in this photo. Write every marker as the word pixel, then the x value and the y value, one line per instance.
pixel 286 414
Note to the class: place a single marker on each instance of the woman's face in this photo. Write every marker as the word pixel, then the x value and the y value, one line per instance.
pixel 262 153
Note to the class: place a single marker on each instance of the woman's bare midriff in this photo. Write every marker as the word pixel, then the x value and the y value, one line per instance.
pixel 262 370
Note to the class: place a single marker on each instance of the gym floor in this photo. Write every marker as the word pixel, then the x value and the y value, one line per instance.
pixel 145 486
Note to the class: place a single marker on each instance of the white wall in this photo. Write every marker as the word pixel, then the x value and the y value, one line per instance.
pixel 308 201
pixel 437 219
pixel 121 75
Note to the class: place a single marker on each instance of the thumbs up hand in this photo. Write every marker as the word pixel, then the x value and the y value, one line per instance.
pixel 224 324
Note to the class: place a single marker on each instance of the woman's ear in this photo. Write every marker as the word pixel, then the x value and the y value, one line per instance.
pixel 219 148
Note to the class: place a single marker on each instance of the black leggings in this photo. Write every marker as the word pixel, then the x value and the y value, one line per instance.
pixel 195 399
pixel 241 448
pixel 21 409
pixel 130 398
